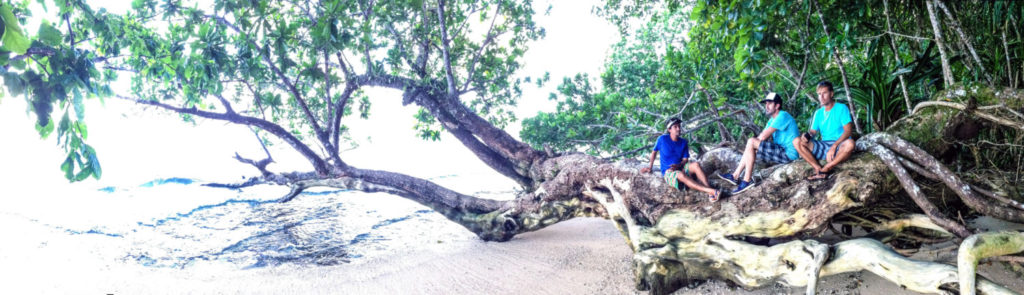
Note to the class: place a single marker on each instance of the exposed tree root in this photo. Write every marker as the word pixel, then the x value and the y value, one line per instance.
pixel 912 189
pixel 981 246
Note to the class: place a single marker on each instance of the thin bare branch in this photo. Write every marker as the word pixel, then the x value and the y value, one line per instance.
pixel 449 73
pixel 488 38
pixel 318 164
pixel 964 39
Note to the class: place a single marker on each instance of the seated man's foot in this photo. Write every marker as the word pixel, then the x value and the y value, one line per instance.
pixel 742 186
pixel 714 197
pixel 727 177
pixel 821 175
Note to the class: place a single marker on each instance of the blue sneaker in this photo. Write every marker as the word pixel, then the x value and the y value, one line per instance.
pixel 742 187
pixel 727 177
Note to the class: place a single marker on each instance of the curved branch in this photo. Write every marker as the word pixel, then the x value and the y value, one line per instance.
pixel 318 164
pixel 490 143
pixel 963 190
pixel 980 246
pixel 973 111
pixel 912 189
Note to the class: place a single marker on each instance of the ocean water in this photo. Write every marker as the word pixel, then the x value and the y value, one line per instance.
pixel 181 226
pixel 182 222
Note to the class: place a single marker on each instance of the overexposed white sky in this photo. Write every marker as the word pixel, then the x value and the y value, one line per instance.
pixel 136 144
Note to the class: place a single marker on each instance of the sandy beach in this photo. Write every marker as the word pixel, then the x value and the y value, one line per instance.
pixel 580 256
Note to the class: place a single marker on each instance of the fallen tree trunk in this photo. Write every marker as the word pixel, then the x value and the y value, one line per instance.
pixel 680 237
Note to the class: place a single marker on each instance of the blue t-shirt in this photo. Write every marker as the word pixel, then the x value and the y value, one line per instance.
pixel 672 152
pixel 830 123
pixel 785 131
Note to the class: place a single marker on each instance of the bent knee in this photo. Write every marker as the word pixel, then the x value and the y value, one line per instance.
pixel 848 145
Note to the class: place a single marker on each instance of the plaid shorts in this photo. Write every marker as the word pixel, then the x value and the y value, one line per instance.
pixel 672 180
pixel 772 152
pixel 820 149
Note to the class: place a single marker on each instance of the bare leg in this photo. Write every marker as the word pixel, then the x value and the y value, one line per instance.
pixel 746 162
pixel 690 183
pixel 749 156
pixel 845 150
pixel 804 147
pixel 699 173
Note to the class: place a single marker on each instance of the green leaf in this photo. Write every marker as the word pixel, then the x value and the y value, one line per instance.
pixel 18 64
pixel 14 39
pixel 82 175
pixel 94 162
pixel 79 107
pixel 14 83
pixel 49 35
pixel 44 131
pixel 68 166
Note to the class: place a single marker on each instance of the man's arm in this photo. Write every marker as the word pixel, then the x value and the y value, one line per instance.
pixel 767 133
pixel 847 131
pixel 650 167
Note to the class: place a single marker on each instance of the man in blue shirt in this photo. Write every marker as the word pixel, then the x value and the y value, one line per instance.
pixel 834 123
pixel 782 129
pixel 675 158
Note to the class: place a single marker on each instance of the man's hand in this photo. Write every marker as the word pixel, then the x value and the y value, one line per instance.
pixel 645 170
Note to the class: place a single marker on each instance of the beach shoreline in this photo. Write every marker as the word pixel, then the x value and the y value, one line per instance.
pixel 578 256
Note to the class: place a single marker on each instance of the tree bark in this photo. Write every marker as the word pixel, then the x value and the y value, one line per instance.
pixel 896 55
pixel 722 131
pixel 947 73
pixel 966 41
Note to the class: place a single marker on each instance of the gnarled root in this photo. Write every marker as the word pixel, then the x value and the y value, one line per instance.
pixel 679 262
pixel 919 276
pixel 796 263
pixel 982 246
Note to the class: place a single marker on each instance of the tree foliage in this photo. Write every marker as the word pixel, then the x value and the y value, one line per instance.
pixel 292 69
pixel 736 51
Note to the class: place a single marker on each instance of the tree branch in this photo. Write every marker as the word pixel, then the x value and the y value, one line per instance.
pixel 963 38
pixel 487 41
pixel 1001 121
pixel 912 189
pixel 948 177
pixel 896 55
pixel 289 86
pixel 947 72
pixel 318 164
pixel 449 73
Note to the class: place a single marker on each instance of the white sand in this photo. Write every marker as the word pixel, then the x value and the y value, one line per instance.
pixel 581 256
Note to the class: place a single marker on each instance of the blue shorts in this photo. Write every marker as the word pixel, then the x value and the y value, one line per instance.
pixel 820 149
pixel 772 152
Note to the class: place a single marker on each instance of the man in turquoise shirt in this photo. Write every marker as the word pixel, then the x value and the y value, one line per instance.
pixel 782 129
pixel 834 123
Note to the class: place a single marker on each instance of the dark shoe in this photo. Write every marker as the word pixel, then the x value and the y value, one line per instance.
pixel 727 177
pixel 742 187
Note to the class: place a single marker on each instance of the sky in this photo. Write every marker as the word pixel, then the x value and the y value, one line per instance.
pixel 137 144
